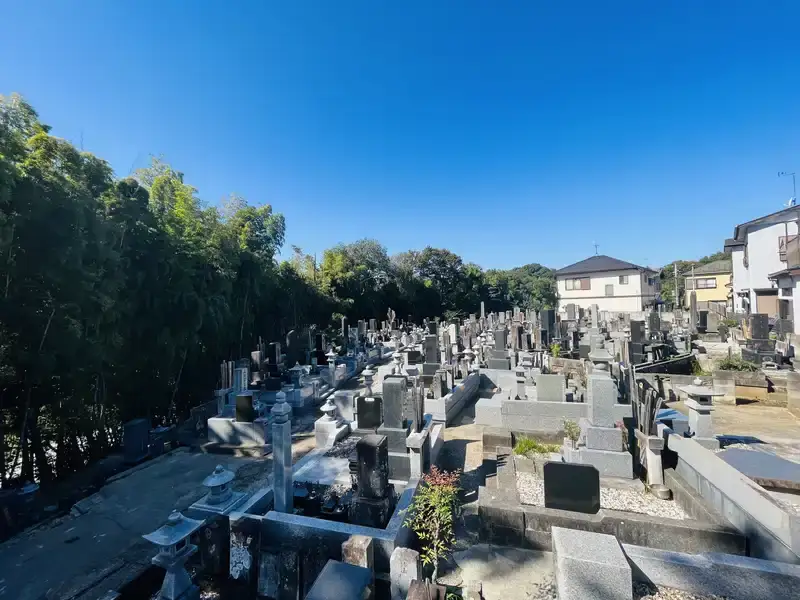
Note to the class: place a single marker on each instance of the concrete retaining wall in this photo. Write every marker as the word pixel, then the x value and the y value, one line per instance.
pixel 773 533
pixel 793 392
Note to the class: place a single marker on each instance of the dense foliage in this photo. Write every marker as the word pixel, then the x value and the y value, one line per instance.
pixel 120 297
pixel 684 270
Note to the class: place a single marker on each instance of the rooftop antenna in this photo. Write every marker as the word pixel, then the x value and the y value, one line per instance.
pixel 793 199
pixel 596 246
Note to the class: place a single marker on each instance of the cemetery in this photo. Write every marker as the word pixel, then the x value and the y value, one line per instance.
pixel 585 469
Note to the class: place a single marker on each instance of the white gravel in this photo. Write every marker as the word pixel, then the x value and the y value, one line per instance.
pixel 531 491
pixel 546 590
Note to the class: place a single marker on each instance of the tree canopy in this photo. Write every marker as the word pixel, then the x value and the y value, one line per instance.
pixel 120 297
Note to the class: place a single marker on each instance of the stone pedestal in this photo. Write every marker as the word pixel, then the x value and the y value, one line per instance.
pixel 700 408
pixel 282 455
pixel 419 447
pixel 404 567
pixel 329 431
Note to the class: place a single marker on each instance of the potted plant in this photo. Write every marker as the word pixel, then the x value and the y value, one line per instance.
pixel 432 515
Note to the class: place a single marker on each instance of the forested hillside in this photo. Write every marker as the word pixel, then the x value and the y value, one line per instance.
pixel 120 297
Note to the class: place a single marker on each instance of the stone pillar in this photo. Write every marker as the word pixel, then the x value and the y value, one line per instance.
pixel 282 454
pixel 359 550
pixel 700 409
pixel 404 567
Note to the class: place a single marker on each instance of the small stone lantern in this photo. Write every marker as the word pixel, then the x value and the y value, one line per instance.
pixel 368 378
pixel 220 498
pixel 296 372
pixel 332 365
pixel 398 363
pixel 174 549
pixel 700 408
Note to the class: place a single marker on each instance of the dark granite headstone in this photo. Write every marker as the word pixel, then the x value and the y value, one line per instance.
pixel 637 332
pixel 373 466
pixel 274 353
pixel 369 412
pixel 570 486
pixel 500 339
pixel 654 321
pixel 245 413
pixel 759 326
pixel 394 397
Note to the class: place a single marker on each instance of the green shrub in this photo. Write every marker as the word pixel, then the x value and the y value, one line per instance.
pixel 697 368
pixel 526 446
pixel 572 430
pixel 730 322
pixel 555 350
pixel 432 515
pixel 736 363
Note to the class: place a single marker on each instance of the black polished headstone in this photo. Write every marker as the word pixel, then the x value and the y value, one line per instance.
pixel 571 486
pixel 274 353
pixel 369 412
pixel 245 413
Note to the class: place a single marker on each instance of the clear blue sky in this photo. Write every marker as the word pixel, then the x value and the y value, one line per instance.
pixel 508 132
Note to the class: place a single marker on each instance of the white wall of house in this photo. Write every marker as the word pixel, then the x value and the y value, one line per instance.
pixel 763 259
pixel 627 297
pixel 741 278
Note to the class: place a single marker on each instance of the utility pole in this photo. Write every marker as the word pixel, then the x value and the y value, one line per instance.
pixel 794 184
pixel 675 265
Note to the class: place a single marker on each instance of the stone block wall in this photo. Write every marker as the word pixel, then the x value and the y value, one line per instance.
pixel 793 392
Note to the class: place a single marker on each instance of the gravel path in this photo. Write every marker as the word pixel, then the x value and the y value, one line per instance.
pixel 531 491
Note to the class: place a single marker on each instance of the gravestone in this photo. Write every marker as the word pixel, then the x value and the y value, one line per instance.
pixel 654 321
pixel 637 332
pixel 551 388
pixel 368 413
pixel 245 413
pixel 500 338
pixel 136 440
pixel 571 315
pixel 569 486
pixel 759 326
pixel 374 498
pixel 431 347
pixel 395 427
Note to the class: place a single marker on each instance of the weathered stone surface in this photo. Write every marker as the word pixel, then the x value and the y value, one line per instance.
pixel 404 567
pixel 339 581
pixel 727 575
pixel 394 395
pixel 358 550
pixel 601 438
pixel 590 566
pixel 551 388
pixel 602 399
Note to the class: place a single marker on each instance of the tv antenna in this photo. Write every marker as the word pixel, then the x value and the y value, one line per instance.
pixel 596 246
pixel 793 199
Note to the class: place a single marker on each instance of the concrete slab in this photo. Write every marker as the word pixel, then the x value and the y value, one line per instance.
pixel 764 468
pixel 79 557
pixel 324 470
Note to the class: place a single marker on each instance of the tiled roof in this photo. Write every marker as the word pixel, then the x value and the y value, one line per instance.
pixel 597 264
pixel 718 266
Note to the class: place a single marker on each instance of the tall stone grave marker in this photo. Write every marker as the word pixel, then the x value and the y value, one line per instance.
pixel 395 427
pixel 282 454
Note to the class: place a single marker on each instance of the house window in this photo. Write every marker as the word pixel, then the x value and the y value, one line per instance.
pixel 582 283
pixel 689 284
pixel 609 289
pixel 623 280
pixel 709 283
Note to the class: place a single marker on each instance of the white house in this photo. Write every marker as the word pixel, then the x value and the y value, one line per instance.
pixel 614 285
pixel 758 249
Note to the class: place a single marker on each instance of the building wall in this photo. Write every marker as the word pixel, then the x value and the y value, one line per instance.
pixel 762 250
pixel 718 294
pixel 741 278
pixel 628 297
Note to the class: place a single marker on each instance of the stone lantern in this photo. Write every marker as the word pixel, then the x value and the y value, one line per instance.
pixel 296 372
pixel 220 498
pixel 174 549
pixel 332 366
pixel 368 378
pixel 600 357
pixel 478 352
pixel 700 407
pixel 468 356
